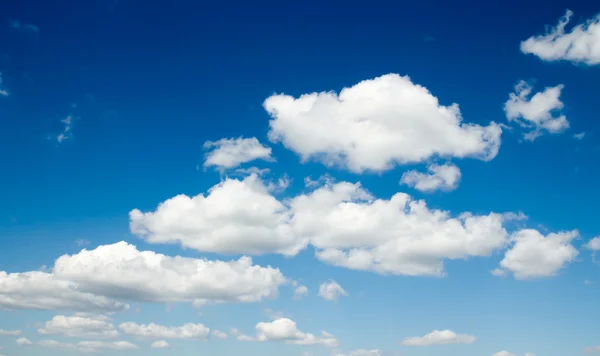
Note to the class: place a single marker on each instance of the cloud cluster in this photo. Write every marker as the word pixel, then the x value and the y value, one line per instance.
pixel 580 45
pixel 228 153
pixel 537 111
pixel 439 337
pixel 375 125
pixel 439 177
pixel 80 326
pixel 100 279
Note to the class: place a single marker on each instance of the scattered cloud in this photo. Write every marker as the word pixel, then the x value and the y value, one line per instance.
pixel 534 255
pixel 285 330
pixel 26 27
pixel 445 177
pixel 438 337
pixel 299 290
pixel 228 153
pixel 10 332
pixel 362 352
pixel 3 92
pixel 78 326
pixel 88 346
pixel 594 244
pixel 592 350
pixel 81 242
pixel 331 291
pixel 580 45
pixel 219 334
pixel 375 125
pixel 579 136
pixel 93 280
pixel 536 112
pixel 155 331
pixel 23 341
pixel 67 132
pixel 160 344
pixel 588 282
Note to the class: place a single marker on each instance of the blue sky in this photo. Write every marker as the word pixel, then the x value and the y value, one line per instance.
pixel 307 163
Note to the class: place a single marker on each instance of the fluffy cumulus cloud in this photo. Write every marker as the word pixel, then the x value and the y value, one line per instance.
pixel 236 216
pixel 285 330
pixel 97 280
pixel 346 224
pixel 160 344
pixel 439 337
pixel 375 125
pixel 331 291
pixel 87 346
pixel 540 112
pixel 580 45
pixel 155 331
pixel 439 177
pixel 121 271
pixel 594 244
pixel 228 153
pixel 534 255
pixel 46 291
pixel 80 326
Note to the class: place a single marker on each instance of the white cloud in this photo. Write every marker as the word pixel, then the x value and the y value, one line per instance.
pixel 534 255
pixel 234 217
pixel 219 334
pixel 439 337
pixel 300 291
pixel 445 177
pixel 506 353
pixel 78 326
pixel 10 332
pixel 537 111
pixel 580 45
pixel 88 346
pixel 160 344
pixel 352 229
pixel 230 153
pixel 186 331
pixel 67 130
pixel 331 291
pixel 23 341
pixel 594 244
pixel 121 271
pixel 375 125
pixel 346 224
pixel 285 330
pixel 18 25
pixel 44 291
pixel 362 352
pixel 579 136
pixel 3 92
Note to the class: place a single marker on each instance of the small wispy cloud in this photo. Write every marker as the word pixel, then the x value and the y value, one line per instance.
pixel 3 92
pixel 579 136
pixel 18 25
pixel 67 131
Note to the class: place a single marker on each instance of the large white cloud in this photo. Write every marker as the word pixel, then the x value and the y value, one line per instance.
pixel 439 177
pixel 236 216
pixel 121 271
pixel 331 291
pixel 439 337
pixel 580 45
pixel 534 255
pixel 537 111
pixel 77 326
pixel 375 125
pixel 44 291
pixel 285 330
pixel 230 153
pixel 155 331
pixel 348 226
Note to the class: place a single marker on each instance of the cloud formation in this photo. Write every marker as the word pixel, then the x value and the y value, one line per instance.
pixel 228 153
pixel 439 177
pixel 81 327
pixel 331 291
pixel 375 125
pixel 579 45
pixel 536 112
